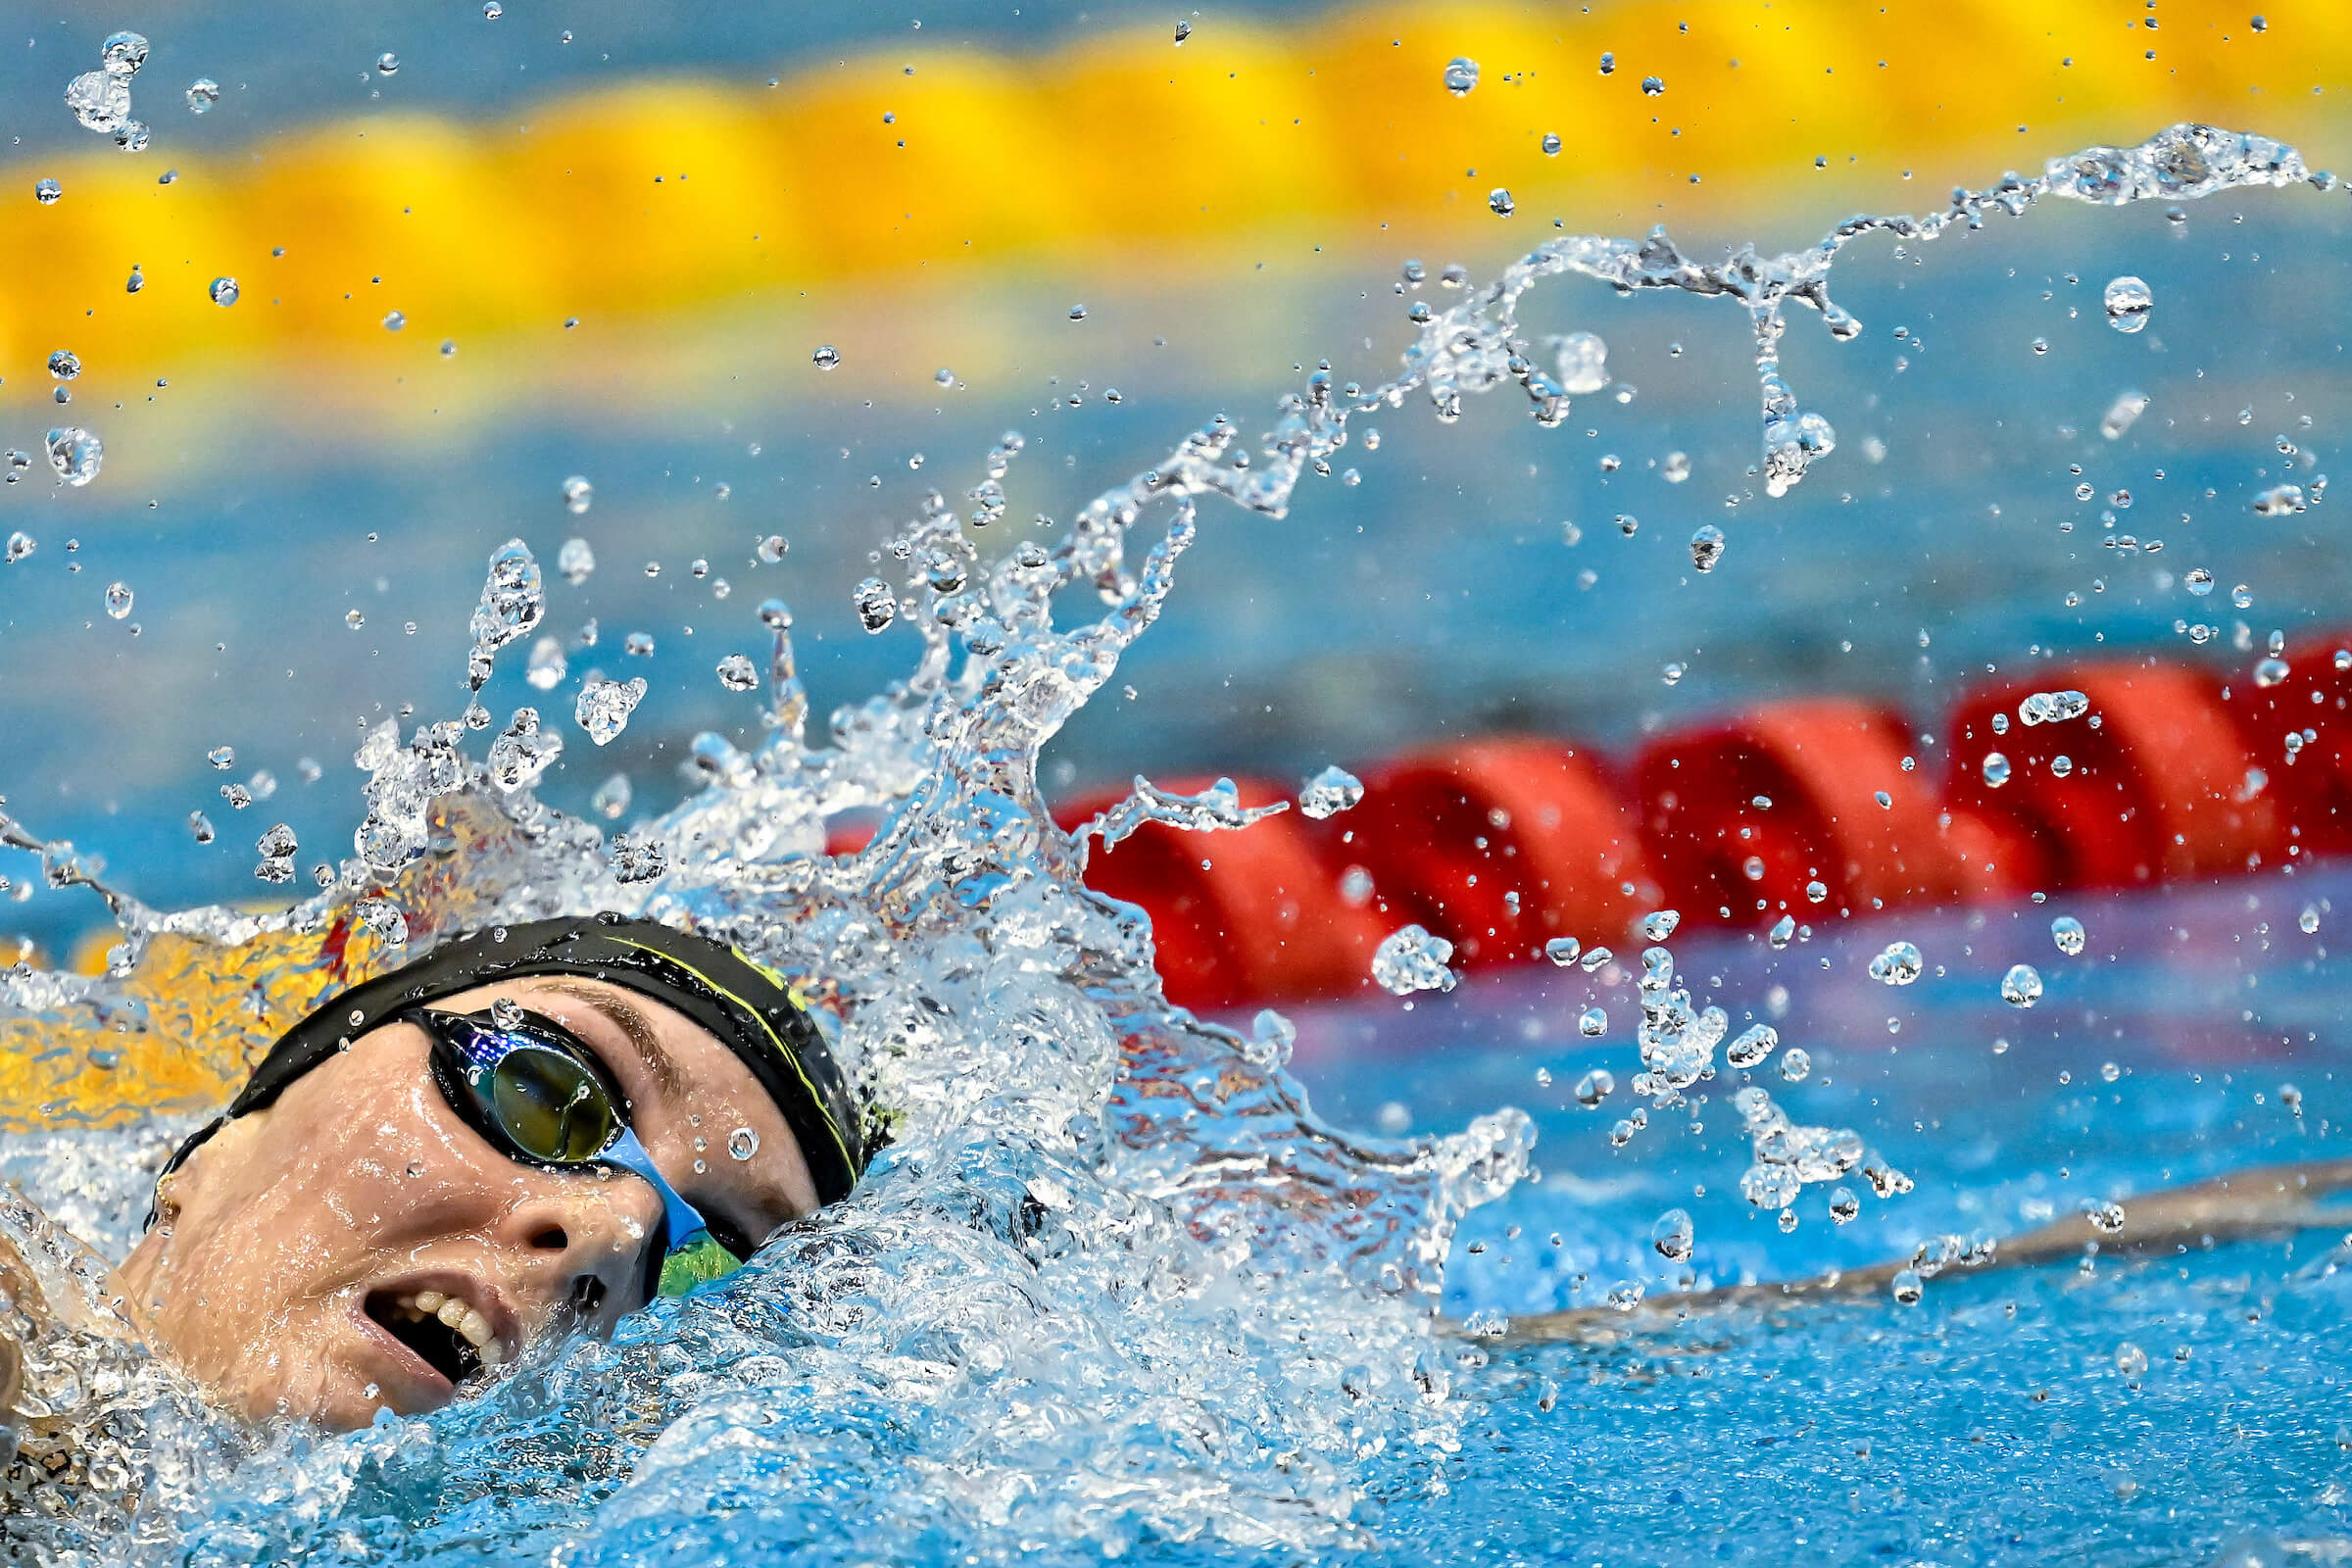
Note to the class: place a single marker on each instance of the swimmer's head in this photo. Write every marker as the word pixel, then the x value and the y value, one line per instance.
pixel 529 1129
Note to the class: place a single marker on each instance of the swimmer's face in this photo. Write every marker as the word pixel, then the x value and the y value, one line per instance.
pixel 303 1246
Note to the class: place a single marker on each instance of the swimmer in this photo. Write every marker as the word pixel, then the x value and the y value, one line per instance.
pixel 528 1131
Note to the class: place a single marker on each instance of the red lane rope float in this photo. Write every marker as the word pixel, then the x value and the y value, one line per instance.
pixel 2312 784
pixel 2154 782
pixel 1239 917
pixel 1498 845
pixel 1742 818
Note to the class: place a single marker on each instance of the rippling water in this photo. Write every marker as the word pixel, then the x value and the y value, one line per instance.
pixel 1115 1291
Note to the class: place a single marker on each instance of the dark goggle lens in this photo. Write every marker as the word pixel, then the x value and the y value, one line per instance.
pixel 549 1102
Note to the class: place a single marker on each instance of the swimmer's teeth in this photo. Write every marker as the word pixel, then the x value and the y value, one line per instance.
pixel 456 1315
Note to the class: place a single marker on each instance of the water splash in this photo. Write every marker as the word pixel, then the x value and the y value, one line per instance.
pixel 1112 1283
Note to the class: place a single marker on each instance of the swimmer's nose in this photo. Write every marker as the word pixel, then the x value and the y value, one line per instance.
pixel 585 1247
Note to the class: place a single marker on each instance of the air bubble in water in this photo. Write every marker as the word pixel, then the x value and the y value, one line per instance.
pixel 76 453
pixel 2068 933
pixel 117 600
pixel 1706 546
pixel 826 357
pixel 223 291
pixel 202 94
pixel 1996 769
pixel 1673 1236
pixel 876 606
pixel 1584 361
pixel 1899 965
pixel 1592 1023
pixel 737 673
pixel 1461 75
pixel 1330 792
pixel 2127 303
pixel 2021 987
pixel 742 1144
pixel 1562 950
pixel 1413 959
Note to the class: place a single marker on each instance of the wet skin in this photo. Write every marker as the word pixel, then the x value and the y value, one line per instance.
pixel 289 1239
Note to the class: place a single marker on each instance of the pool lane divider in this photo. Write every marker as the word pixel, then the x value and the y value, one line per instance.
pixel 1815 807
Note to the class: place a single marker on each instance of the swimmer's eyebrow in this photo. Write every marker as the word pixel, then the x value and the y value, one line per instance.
pixel 634 1025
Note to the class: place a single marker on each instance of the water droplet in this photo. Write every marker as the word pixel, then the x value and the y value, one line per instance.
pixel 394 320
pixel 1461 75
pixel 1659 925
pixel 1582 360
pixel 1907 1287
pixel 638 645
pixel 1594 1087
pixel 2106 1218
pixel 2021 987
pixel 2127 303
pixel 1796 1063
pixel 1899 965
pixel 2307 922
pixel 1593 961
pixel 2052 707
pixel 2130 1362
pixel 65 365
pixel 117 600
pixel 772 548
pixel 1608 63
pixel 2269 672
pixel 46 192
pixel 20 545
pixel 604 707
pixel 874 604
pixel 202 94
pixel 1329 793
pixel 1562 950
pixel 1413 959
pixel 1707 545
pixel 75 454
pixel 1996 769
pixel 637 857
pixel 1673 1235
pixel 221 757
pixel 122 53
pixel 1843 1205
pixel 1651 86
pixel 386 63
pixel 1077 313
pixel 1500 203
pixel 612 797
pixel 742 1144
pixel 737 673
pixel 201 826
pixel 1753 1046
pixel 100 100
pixel 1184 29
pixel 826 357
pixel 1592 1023
pixel 2068 933
pixel 132 136
pixel 1816 891
pixel 223 291
pixel 578 495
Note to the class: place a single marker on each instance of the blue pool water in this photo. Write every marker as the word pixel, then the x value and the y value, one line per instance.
pixel 1989 1422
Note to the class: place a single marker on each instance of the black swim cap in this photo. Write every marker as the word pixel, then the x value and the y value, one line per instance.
pixel 745 1005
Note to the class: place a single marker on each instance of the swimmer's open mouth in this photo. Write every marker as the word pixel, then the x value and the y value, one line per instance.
pixel 451 1336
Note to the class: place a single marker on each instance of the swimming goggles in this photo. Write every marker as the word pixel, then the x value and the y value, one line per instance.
pixel 538 1093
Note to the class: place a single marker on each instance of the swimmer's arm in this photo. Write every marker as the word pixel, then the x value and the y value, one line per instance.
pixel 2265 1201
